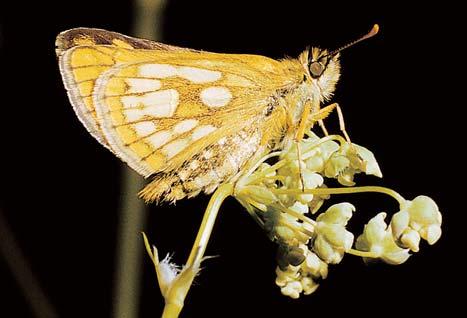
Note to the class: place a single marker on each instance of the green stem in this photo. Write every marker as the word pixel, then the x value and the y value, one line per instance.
pixel 362 253
pixel 259 176
pixel 326 191
pixel 171 310
pixel 260 161
pixel 205 229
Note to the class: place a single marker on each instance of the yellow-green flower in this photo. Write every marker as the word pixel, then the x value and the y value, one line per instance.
pixel 350 160
pixel 314 266
pixel 377 239
pixel 293 180
pixel 420 215
pixel 316 158
pixel 289 281
pixel 332 239
pixel 294 280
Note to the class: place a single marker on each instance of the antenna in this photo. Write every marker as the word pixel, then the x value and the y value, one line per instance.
pixel 374 30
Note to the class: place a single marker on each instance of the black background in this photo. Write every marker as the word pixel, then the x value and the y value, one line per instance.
pixel 60 188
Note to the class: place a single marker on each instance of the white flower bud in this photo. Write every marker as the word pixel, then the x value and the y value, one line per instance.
pixel 346 177
pixel 309 286
pixel 336 165
pixel 368 162
pixel 289 275
pixel 375 230
pixel 350 160
pixel 411 239
pixel 284 233
pixel 292 289
pixel 377 239
pixel 431 233
pixel 399 222
pixel 424 217
pixel 314 265
pixel 327 252
pixel 423 210
pixel 319 155
pixel 315 163
pixel 332 238
pixel 339 213
pixel 299 207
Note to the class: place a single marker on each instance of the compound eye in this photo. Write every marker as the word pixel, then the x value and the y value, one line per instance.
pixel 316 69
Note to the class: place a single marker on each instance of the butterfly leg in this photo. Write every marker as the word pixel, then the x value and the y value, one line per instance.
pixel 324 112
pixel 319 117
pixel 342 123
pixel 307 110
pixel 323 127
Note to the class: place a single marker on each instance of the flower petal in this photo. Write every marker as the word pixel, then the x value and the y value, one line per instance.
pixel 399 222
pixel 337 214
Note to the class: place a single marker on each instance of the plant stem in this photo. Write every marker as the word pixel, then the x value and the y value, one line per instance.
pixel 204 232
pixel 171 310
pixel 325 191
pixel 175 298
pixel 361 253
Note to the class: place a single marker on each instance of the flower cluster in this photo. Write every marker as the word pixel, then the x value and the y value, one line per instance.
pixel 417 219
pixel 284 196
pixel 298 270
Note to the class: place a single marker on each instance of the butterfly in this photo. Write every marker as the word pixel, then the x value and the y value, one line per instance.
pixel 190 120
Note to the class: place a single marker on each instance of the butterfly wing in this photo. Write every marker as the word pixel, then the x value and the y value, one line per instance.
pixel 156 106
pixel 84 54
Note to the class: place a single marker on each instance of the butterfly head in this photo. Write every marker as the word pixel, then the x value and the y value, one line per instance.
pixel 323 69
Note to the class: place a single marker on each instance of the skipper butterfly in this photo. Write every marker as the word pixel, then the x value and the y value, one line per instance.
pixel 190 119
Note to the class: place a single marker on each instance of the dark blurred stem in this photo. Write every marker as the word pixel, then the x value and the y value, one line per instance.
pixel 22 273
pixel 133 212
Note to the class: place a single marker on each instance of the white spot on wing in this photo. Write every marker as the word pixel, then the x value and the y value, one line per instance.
pixel 142 85
pixel 133 114
pixel 198 75
pixel 144 128
pixel 156 104
pixel 157 70
pixel 159 138
pixel 175 147
pixel 185 125
pixel 215 96
pixel 202 131
pixel 131 101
